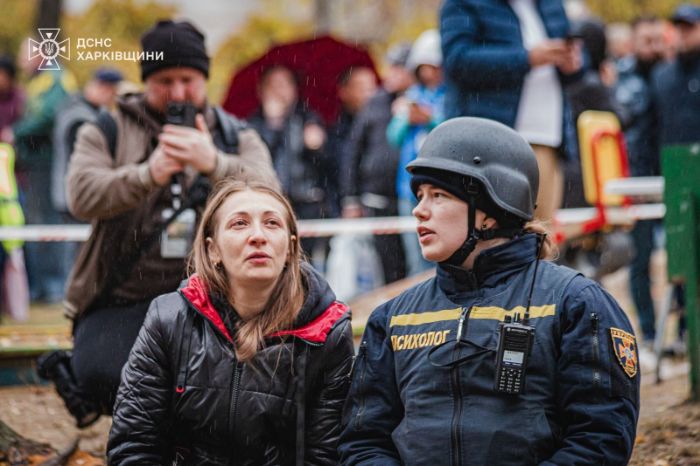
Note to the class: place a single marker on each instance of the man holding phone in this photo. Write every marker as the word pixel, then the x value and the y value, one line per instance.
pixel 141 177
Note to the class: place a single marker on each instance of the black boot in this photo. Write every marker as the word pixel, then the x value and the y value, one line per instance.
pixel 55 366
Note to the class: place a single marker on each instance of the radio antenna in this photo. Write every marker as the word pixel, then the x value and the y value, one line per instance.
pixel 541 238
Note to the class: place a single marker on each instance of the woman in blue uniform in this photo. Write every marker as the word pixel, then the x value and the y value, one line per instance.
pixel 502 358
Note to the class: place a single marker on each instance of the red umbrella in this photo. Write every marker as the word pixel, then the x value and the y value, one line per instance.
pixel 317 62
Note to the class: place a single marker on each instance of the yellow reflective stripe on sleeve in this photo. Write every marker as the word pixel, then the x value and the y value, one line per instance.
pixel 425 317
pixel 478 312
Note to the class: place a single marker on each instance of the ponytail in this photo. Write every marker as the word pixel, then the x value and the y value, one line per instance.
pixel 549 250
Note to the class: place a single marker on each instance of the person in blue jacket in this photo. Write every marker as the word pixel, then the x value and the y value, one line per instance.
pixel 425 387
pixel 509 61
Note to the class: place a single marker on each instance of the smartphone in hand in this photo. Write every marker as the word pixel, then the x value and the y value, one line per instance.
pixel 181 114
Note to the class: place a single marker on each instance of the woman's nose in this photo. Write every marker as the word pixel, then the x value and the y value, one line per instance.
pixel 420 211
pixel 257 235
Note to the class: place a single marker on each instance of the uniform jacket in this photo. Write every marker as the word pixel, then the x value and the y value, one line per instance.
pixel 183 392
pixel 124 205
pixel 485 61
pixel 580 401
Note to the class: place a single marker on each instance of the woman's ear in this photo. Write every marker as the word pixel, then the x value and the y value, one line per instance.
pixel 293 246
pixel 212 251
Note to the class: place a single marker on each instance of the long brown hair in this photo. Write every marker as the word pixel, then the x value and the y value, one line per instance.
pixel 288 294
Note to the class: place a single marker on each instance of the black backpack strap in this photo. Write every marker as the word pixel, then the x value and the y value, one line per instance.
pixel 108 126
pixel 230 126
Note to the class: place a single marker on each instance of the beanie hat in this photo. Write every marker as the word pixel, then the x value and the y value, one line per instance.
pixel 426 50
pixel 181 45
pixel 456 185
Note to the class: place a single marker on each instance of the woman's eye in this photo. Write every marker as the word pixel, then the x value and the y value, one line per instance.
pixel 273 222
pixel 238 223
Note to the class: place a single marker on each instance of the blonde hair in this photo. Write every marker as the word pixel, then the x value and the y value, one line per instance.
pixel 288 294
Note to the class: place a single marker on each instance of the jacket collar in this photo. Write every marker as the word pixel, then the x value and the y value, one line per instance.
pixel 491 267
pixel 318 314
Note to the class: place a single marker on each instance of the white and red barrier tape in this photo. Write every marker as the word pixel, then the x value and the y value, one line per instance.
pixel 367 225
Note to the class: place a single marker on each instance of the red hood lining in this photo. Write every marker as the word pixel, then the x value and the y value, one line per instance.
pixel 315 331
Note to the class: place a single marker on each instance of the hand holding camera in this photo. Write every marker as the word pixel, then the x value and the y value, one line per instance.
pixel 185 140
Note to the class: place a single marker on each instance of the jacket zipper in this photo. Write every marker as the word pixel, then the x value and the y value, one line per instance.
pixel 456 416
pixel 596 349
pixel 361 408
pixel 457 413
pixel 235 388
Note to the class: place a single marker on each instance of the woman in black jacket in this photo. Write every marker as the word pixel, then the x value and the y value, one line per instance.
pixel 249 362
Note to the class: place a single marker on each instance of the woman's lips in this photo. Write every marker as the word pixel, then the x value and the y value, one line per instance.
pixel 258 258
pixel 425 235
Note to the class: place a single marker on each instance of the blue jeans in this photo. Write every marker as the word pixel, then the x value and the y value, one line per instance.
pixel 415 262
pixel 640 282
pixel 48 262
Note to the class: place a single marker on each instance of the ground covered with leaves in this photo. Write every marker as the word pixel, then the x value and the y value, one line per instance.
pixel 668 433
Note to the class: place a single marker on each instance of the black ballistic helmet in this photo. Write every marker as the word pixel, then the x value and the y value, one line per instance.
pixel 496 169
pixel 490 152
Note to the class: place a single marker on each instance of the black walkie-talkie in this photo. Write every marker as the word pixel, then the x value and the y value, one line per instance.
pixel 514 344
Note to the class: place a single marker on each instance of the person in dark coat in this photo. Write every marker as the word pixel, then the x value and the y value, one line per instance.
pixel 676 85
pixel 426 387
pixel 591 92
pixel 370 159
pixel 356 86
pixel 249 362
pixel 297 142
pixel 633 91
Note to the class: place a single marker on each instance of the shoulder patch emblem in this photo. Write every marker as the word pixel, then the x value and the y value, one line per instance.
pixel 625 347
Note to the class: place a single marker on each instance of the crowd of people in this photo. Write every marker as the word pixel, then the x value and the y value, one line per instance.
pixel 472 131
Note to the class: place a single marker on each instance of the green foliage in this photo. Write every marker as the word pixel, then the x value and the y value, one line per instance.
pixel 408 25
pixel 122 21
pixel 16 24
pixel 627 10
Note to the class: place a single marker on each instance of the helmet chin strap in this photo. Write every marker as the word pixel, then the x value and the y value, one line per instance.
pixel 474 235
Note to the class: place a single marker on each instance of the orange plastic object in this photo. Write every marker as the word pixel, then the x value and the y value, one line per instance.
pixel 603 155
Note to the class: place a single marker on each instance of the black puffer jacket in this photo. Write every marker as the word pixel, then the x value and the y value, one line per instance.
pixel 185 398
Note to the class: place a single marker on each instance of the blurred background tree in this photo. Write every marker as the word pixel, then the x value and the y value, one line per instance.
pixel 627 10
pixel 16 24
pixel 122 21
pixel 378 24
